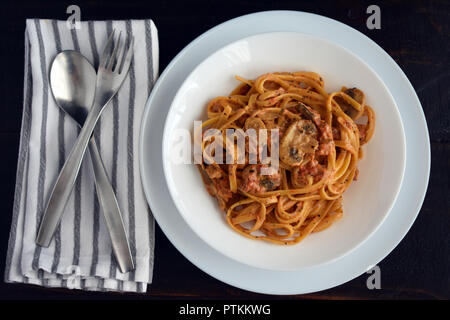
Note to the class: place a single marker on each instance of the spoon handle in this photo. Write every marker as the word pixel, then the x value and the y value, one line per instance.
pixel 66 179
pixel 111 211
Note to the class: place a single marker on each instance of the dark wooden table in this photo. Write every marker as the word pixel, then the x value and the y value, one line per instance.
pixel 415 34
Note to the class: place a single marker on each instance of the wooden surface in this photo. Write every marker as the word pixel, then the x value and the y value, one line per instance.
pixel 415 34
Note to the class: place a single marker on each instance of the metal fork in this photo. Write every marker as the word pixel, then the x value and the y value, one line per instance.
pixel 113 67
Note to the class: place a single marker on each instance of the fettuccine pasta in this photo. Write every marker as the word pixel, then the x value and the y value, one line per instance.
pixel 320 139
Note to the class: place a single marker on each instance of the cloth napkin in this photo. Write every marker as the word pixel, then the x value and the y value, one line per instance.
pixel 80 255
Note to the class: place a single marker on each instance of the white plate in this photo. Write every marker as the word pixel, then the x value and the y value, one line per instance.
pixel 373 250
pixel 366 203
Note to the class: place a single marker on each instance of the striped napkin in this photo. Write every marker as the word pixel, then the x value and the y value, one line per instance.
pixel 80 255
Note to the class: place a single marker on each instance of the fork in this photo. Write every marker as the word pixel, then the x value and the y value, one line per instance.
pixel 113 67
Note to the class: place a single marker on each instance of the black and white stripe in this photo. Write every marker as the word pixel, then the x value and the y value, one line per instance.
pixel 150 82
pixel 130 160
pixel 115 107
pixel 61 153
pixel 42 148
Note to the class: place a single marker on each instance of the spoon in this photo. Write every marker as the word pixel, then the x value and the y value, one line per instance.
pixel 72 79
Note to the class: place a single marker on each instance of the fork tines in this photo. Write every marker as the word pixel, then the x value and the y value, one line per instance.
pixel 114 58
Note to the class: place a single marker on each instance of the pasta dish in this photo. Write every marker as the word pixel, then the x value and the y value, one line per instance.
pixel 319 138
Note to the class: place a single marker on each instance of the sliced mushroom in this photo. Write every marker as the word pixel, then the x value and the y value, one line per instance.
pixel 299 139
pixel 309 112
pixel 356 94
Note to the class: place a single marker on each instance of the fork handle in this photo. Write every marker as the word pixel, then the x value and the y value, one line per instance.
pixel 66 179
pixel 111 211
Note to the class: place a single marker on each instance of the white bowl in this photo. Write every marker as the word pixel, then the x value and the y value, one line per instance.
pixel 366 203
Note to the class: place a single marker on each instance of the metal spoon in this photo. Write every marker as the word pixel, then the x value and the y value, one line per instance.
pixel 72 79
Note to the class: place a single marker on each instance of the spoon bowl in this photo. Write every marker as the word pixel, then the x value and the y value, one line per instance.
pixel 72 79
